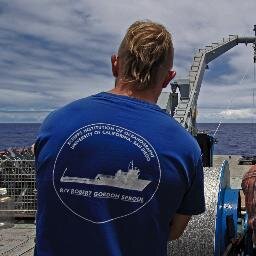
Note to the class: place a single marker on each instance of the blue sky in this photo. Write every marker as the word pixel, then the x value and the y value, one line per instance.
pixel 53 52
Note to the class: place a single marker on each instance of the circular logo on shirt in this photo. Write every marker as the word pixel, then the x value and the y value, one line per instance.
pixel 105 172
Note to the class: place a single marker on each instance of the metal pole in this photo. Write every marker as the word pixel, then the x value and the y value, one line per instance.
pixel 254 47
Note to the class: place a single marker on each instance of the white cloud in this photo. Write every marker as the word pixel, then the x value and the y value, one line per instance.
pixel 238 114
pixel 53 51
pixel 221 95
pixel 22 116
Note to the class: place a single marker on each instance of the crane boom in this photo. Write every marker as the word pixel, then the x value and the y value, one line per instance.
pixel 184 109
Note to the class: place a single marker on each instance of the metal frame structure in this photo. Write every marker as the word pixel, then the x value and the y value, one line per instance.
pixel 18 177
pixel 184 110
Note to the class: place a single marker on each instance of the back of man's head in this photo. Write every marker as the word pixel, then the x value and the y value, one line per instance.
pixel 146 54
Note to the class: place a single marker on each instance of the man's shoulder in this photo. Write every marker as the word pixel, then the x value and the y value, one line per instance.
pixel 179 137
pixel 75 105
pixel 66 109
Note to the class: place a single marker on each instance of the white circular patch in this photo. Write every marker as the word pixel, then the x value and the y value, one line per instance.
pixel 104 172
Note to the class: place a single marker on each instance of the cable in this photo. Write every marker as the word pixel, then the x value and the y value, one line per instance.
pixel 229 104
pixel 217 129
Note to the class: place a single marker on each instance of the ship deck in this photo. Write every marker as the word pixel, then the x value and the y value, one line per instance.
pixel 19 240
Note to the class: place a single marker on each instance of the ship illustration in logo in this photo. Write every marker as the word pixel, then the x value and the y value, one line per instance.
pixel 122 179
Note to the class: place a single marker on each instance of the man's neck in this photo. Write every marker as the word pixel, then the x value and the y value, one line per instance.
pixel 146 95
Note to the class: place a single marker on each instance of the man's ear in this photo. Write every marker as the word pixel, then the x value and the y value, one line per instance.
pixel 171 74
pixel 114 63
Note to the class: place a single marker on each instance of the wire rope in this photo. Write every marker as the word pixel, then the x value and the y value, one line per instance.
pixel 230 102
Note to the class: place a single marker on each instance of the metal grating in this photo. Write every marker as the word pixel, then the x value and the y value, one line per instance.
pixel 18 177
pixel 198 238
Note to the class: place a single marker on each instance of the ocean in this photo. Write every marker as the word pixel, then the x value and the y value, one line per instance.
pixel 233 139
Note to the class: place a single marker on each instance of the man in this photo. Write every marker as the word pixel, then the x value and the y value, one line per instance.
pixel 116 175
pixel 249 188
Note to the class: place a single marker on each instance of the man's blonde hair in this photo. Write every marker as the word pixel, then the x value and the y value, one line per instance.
pixel 146 48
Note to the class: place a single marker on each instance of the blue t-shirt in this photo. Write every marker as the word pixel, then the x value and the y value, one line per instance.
pixel 111 173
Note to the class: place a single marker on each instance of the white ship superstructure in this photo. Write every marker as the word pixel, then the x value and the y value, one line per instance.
pixel 121 179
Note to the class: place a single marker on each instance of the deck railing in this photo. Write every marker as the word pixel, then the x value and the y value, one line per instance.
pixel 18 177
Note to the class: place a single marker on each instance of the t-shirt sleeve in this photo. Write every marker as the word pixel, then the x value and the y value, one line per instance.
pixel 193 202
pixel 41 134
